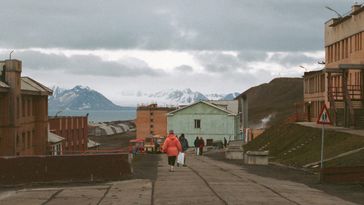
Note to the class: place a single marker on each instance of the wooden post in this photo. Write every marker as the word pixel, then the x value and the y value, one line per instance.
pixel 347 100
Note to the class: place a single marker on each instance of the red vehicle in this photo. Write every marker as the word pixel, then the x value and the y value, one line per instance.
pixel 136 146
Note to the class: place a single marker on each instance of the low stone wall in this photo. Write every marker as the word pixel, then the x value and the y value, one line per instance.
pixel 31 169
pixel 256 157
pixel 343 174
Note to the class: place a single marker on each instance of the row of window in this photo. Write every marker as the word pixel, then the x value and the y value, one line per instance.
pixel 25 140
pixel 343 48
pixel 68 123
pixel 315 84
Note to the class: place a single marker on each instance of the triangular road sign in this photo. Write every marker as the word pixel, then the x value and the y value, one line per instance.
pixel 324 117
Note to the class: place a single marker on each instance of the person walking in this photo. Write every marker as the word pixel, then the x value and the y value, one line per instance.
pixel 184 144
pixel 196 143
pixel 172 147
pixel 201 144
pixel 225 142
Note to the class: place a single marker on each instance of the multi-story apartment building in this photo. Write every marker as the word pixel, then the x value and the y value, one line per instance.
pixel 23 112
pixel 151 120
pixel 340 84
pixel 74 129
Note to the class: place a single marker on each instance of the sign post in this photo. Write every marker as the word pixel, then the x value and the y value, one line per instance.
pixel 324 118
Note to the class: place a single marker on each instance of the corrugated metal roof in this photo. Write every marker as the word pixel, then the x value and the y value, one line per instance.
pixel 124 126
pixel 28 84
pixel 107 129
pixel 53 138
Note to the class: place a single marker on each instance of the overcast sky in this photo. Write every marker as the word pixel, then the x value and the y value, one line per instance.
pixel 120 47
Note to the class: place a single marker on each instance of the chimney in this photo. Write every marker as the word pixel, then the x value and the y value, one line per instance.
pixel 355 8
pixel 12 71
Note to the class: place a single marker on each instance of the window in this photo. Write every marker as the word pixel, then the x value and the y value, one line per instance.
pixel 28 140
pixel 23 101
pixel 17 140
pixel 29 108
pixel 197 123
pixel 23 140
pixel 17 108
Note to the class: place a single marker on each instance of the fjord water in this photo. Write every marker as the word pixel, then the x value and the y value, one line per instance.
pixel 99 115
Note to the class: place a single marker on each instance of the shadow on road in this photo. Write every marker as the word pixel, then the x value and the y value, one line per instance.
pixel 350 192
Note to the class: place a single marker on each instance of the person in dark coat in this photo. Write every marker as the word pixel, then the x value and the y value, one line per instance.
pixel 225 142
pixel 201 144
pixel 184 144
pixel 197 145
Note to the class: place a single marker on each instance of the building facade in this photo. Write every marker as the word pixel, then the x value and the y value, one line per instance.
pixel 73 129
pixel 340 84
pixel 23 112
pixel 209 120
pixel 151 120
pixel 55 144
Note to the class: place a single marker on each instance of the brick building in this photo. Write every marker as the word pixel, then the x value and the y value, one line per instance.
pixel 73 129
pixel 151 120
pixel 23 112
pixel 340 84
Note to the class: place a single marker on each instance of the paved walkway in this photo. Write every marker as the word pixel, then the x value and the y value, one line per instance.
pixel 124 192
pixel 330 127
pixel 204 181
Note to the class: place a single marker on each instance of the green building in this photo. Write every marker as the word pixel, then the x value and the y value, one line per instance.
pixel 208 119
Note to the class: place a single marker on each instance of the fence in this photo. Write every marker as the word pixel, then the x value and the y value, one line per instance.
pixel 30 169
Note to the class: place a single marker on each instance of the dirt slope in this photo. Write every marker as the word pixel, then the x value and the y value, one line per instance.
pixel 276 98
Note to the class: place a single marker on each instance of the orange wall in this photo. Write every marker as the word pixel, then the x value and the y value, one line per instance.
pixel 151 121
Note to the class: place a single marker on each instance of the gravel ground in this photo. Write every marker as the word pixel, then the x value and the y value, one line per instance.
pixel 354 192
pixel 145 166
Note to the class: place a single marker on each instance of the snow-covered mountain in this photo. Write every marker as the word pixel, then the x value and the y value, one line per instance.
pixel 79 98
pixel 177 97
pixel 230 96
pixel 185 96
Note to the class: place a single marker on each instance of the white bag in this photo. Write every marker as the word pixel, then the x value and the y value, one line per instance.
pixel 181 158
pixel 197 151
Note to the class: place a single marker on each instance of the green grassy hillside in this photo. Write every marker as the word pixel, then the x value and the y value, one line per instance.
pixel 296 145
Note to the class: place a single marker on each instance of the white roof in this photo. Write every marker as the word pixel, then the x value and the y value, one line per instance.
pixel 91 144
pixel 53 138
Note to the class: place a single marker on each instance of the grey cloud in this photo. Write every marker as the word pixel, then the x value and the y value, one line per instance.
pixel 292 59
pixel 218 62
pixel 86 65
pixel 252 55
pixel 275 25
pixel 184 68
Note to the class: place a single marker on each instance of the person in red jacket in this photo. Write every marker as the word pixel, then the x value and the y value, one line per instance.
pixel 172 147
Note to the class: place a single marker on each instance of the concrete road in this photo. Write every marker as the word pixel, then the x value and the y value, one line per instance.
pixel 204 181
pixel 124 192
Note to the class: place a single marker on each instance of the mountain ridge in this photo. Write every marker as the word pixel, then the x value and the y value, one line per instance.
pixel 79 98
